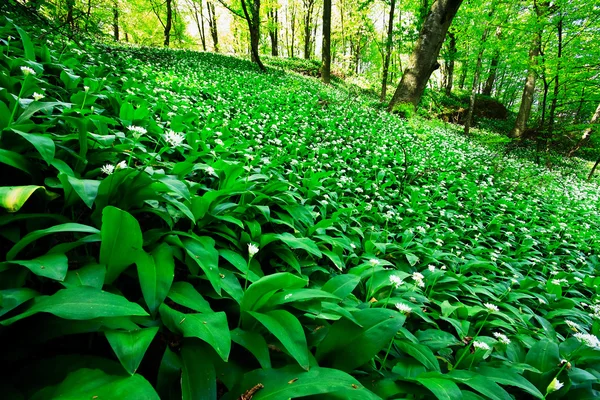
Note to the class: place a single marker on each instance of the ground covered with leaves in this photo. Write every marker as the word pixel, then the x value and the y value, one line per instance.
pixel 179 225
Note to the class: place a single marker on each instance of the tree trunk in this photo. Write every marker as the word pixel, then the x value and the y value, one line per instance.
pixel 70 11
pixel 593 169
pixel 388 52
pixel 423 60
pixel 484 36
pixel 528 90
pixel 274 33
pixel 326 51
pixel 587 133
pixel 450 68
pixel 212 25
pixel 309 5
pixel 199 22
pixel 253 19
pixel 168 23
pixel 552 115
pixel 489 83
pixel 116 21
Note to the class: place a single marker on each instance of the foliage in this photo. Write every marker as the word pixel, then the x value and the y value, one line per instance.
pixel 179 225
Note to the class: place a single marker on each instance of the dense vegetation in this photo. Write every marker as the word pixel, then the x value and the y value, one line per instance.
pixel 179 225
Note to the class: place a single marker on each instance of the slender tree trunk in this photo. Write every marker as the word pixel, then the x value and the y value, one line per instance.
pixel 212 25
pixel 423 60
pixel 450 68
pixel 489 83
pixel 274 33
pixel 528 90
pixel 552 116
pixel 388 52
pixel 199 19
pixel 309 5
pixel 116 21
pixel 587 133
pixel 463 75
pixel 168 23
pixel 253 19
pixel 70 11
pixel 593 169
pixel 476 80
pixel 326 51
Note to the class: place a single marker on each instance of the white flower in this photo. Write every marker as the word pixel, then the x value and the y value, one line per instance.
pixel 219 142
pixel 287 296
pixel 554 386
pixel 121 165
pixel 491 307
pixel 396 281
pixel 588 340
pixel 573 325
pixel 481 345
pixel 86 88
pixel 431 267
pixel 174 138
pixel 403 308
pixel 252 249
pixel 27 71
pixel 211 171
pixel 373 262
pixel 37 96
pixel 502 338
pixel 107 169
pixel 137 131
pixel 417 276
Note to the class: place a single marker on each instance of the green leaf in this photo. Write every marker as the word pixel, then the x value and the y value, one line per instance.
pixel 12 198
pixel 156 272
pixel 544 355
pixel 299 243
pixel 202 251
pixel 235 259
pixel 42 143
pixel 289 296
pixel 255 344
pixel 89 275
pixel 28 48
pixel 183 293
pixel 378 327
pixel 12 298
pixel 421 353
pixel 130 347
pixel 210 327
pixel 35 235
pixel 292 383
pixel 199 379
pixel 16 160
pixel 288 330
pixel 86 189
pixel 53 266
pixel 479 383
pixel 268 284
pixel 443 389
pixel 39 106
pixel 95 384
pixel 121 241
pixel 169 374
pixel 81 303
pixel 507 377
pixel 341 285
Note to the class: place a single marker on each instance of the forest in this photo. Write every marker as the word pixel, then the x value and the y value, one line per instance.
pixel 299 199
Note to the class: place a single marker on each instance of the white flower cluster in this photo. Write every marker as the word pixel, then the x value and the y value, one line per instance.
pixel 403 308
pixel 502 338
pixel 252 249
pixel 396 281
pixel 480 345
pixel 108 169
pixel 419 279
pixel 588 339
pixel 174 139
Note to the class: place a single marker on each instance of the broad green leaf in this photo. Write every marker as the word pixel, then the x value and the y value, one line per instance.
pixel 169 374
pixel 86 189
pixel 479 383
pixel 235 259
pixel 436 339
pixel 544 355
pixel 12 198
pixel 288 330
pixel 292 295
pixel 378 327
pixel 202 251
pixel 131 346
pixel 210 327
pixel 121 241
pixel 16 160
pixel 183 293
pixel 268 284
pixel 156 272
pixel 341 285
pixel 299 243
pixel 408 368
pixel 81 303
pixel 199 380
pixel 28 47
pixel 507 377
pixel 89 275
pixel 291 383
pixel 95 384
pixel 35 235
pixel 53 266
pixel 12 298
pixel 254 343
pixel 420 352
pixel 443 389
pixel 42 143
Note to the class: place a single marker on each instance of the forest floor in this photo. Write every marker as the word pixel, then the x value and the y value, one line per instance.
pixel 448 258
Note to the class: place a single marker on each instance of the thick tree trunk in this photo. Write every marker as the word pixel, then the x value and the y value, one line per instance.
pixel 309 5
pixel 388 52
pixel 70 12
pixel 423 60
pixel 587 133
pixel 450 68
pixel 528 90
pixel 274 33
pixel 212 25
pixel 168 23
pixel 326 51
pixel 116 21
pixel 253 19
pixel 489 83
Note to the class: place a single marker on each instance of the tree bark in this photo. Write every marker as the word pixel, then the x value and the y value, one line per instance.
pixel 587 133
pixel 423 60
pixel 593 169
pixel 484 36
pixel 326 51
pixel 274 33
pixel 554 103
pixel 489 83
pixel 212 25
pixel 116 21
pixel 450 68
pixel 168 23
pixel 309 5
pixel 253 19
pixel 199 22
pixel 388 52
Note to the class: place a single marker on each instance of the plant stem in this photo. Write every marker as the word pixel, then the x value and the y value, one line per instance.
pixel 14 111
pixel 471 342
